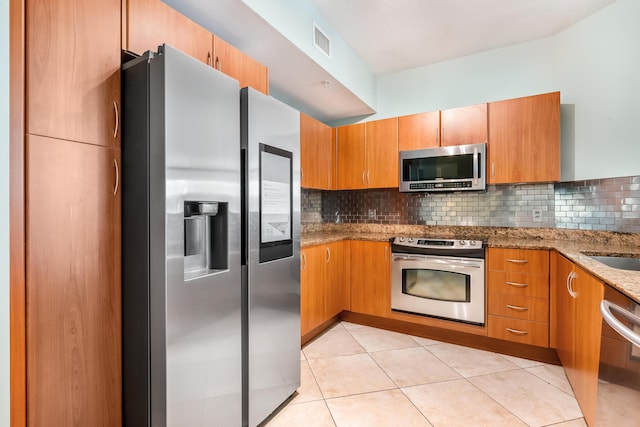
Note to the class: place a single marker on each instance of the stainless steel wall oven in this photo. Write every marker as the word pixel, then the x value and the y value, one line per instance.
pixel 439 278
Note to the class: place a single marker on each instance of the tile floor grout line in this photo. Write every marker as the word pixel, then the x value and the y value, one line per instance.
pixel 498 403
pixel 340 326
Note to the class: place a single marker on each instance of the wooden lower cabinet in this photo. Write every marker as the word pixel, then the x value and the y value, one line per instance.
pixel 311 288
pixel 371 278
pixel 324 283
pixel 578 325
pixel 74 375
pixel 518 295
pixel 517 330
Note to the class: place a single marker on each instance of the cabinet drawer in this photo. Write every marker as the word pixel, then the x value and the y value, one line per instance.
pixel 530 285
pixel 519 307
pixel 518 260
pixel 517 330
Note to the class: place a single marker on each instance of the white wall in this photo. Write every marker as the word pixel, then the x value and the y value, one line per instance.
pixel 598 71
pixel 294 19
pixel 595 65
pixel 4 213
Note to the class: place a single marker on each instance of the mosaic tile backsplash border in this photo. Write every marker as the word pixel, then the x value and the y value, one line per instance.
pixel 611 204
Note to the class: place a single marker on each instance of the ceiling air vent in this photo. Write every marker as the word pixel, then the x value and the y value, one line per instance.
pixel 321 40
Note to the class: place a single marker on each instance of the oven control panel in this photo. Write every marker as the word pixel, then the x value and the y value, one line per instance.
pixel 425 242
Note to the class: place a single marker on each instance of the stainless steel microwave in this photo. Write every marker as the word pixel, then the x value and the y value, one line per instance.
pixel 454 168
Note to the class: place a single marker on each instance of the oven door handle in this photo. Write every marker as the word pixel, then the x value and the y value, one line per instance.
pixel 449 262
pixel 617 325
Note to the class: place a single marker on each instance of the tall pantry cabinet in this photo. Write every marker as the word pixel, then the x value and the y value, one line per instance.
pixel 72 212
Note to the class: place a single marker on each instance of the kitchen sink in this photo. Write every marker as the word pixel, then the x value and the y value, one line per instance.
pixel 623 263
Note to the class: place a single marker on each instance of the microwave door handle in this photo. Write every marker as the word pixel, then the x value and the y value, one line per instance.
pixel 475 166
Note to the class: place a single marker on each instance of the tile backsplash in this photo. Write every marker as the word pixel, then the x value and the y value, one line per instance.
pixel 611 204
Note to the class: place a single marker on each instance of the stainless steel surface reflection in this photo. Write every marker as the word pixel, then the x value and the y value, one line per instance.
pixel 181 268
pixel 272 316
pixel 623 263
pixel 618 391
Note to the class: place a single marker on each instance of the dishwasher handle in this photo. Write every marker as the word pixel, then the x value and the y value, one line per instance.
pixel 606 308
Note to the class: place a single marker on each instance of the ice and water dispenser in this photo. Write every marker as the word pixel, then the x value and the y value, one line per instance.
pixel 205 238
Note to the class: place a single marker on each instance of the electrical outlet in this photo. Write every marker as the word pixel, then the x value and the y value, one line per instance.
pixel 372 214
pixel 537 215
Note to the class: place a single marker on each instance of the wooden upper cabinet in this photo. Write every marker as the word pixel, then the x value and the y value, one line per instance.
pixel 150 23
pixel 457 126
pixel 241 67
pixel 367 155
pixel 524 144
pixel 419 131
pixel 316 153
pixel 382 153
pixel 351 157
pixel 73 70
pixel 464 125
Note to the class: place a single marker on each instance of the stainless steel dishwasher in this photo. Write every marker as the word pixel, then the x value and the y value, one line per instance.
pixel 618 401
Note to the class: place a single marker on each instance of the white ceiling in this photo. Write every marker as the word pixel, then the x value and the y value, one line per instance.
pixel 388 35
pixel 396 35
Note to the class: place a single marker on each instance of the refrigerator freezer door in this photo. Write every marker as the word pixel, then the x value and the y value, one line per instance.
pixel 271 323
pixel 198 318
pixel 181 245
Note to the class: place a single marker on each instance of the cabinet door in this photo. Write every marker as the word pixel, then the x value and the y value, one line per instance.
pixel 316 159
pixel 563 313
pixel 313 290
pixel 419 131
pixel 370 278
pixel 525 139
pixel 382 153
pixel 464 125
pixel 351 157
pixel 241 67
pixel 589 293
pixel 151 23
pixel 337 295
pixel 73 70
pixel 73 285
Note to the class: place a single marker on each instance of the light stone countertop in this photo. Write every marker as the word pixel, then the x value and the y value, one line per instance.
pixel 573 244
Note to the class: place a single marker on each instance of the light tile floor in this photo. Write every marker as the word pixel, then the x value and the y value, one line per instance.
pixel 354 375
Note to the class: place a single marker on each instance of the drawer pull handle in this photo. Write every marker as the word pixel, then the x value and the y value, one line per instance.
pixel 518 261
pixel 517 308
pixel 518 285
pixel 517 332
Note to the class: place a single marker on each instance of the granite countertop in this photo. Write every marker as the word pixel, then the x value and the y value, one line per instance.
pixel 573 244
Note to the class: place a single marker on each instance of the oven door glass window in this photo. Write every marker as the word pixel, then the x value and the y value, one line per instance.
pixel 437 285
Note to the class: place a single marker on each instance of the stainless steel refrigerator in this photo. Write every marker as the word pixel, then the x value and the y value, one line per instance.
pixel 186 259
pixel 271 263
